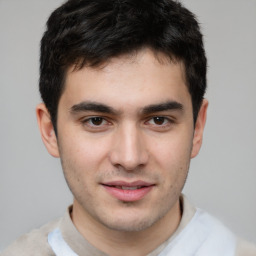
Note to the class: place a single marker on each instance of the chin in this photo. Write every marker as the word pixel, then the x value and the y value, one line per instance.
pixel 131 222
pixel 129 226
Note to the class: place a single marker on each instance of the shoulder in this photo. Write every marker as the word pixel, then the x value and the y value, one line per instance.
pixel 34 243
pixel 245 248
pixel 223 238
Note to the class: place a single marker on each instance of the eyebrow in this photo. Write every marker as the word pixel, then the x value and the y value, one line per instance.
pixel 102 108
pixel 169 105
pixel 92 106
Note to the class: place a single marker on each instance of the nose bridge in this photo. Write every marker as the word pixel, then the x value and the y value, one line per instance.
pixel 129 149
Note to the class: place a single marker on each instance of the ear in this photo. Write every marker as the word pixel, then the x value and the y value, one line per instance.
pixel 46 129
pixel 199 128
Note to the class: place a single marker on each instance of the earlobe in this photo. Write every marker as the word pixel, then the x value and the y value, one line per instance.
pixel 199 129
pixel 46 129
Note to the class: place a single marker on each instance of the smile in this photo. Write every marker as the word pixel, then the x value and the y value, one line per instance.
pixel 127 188
pixel 128 192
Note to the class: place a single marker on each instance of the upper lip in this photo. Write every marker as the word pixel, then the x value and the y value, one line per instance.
pixel 138 183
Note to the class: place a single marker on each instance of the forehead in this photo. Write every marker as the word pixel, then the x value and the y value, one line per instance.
pixel 141 78
pixel 152 59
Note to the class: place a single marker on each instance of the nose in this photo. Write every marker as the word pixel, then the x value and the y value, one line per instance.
pixel 129 148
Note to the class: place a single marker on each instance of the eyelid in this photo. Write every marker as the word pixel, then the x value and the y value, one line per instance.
pixel 107 122
pixel 85 121
pixel 168 122
pixel 160 117
pixel 168 118
pixel 96 117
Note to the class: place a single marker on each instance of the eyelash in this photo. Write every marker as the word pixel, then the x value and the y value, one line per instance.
pixel 88 120
pixel 104 122
pixel 165 120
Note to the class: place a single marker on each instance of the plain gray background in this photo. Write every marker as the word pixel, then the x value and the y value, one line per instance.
pixel 222 178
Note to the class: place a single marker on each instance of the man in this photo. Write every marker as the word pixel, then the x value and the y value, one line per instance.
pixel 123 86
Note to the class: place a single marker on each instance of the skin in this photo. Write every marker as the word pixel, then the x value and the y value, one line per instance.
pixel 126 142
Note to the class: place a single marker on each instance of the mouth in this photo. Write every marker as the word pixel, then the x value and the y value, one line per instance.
pixel 127 188
pixel 128 191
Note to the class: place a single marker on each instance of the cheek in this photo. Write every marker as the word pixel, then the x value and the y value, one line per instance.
pixel 84 151
pixel 172 152
pixel 172 157
pixel 82 159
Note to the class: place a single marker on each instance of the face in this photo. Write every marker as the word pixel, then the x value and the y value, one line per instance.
pixel 125 139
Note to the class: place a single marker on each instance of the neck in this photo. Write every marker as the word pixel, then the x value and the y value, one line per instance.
pixel 136 243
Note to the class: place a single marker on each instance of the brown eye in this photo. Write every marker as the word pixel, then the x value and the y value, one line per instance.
pixel 159 120
pixel 96 121
pixel 96 124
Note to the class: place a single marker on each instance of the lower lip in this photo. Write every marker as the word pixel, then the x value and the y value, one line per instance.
pixel 128 195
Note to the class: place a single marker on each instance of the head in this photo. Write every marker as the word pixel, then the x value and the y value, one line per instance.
pixel 91 33
pixel 123 84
